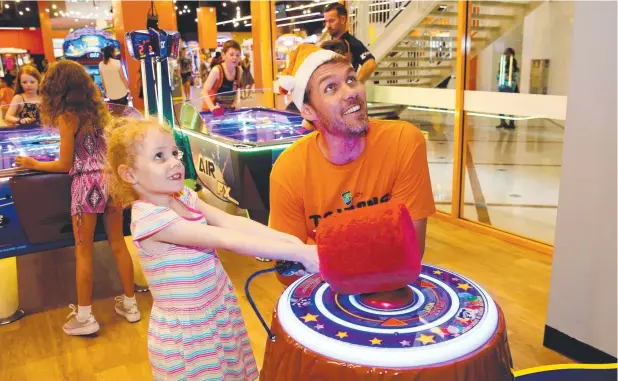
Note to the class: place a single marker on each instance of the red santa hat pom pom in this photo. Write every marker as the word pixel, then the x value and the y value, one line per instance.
pixel 371 249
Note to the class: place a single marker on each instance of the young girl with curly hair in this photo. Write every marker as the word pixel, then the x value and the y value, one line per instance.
pixel 73 104
pixel 196 327
pixel 24 109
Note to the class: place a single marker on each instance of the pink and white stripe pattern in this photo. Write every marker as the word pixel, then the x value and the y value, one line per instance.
pixel 196 327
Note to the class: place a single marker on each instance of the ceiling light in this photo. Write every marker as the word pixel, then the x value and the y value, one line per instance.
pixel 21 13
pixel 55 13
pixel 6 6
pixel 212 10
pixel 175 7
pixel 188 11
pixel 287 6
pixel 225 4
pixel 27 9
pixel 47 10
pixel 198 10
pixel 195 20
pixel 238 8
pixel 185 7
pixel 54 6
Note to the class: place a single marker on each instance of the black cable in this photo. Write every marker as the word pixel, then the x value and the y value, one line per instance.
pixel 271 336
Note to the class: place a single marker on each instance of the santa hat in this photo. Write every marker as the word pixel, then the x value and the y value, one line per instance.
pixel 304 60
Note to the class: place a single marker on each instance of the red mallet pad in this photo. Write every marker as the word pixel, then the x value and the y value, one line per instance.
pixel 369 250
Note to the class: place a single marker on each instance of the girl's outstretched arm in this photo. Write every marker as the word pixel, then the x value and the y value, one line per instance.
pixel 224 220
pixel 190 233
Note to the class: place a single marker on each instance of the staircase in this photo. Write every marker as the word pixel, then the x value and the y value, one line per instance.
pixel 418 47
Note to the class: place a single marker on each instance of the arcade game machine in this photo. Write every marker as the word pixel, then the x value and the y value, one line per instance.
pixel 85 46
pixel 233 154
pixel 12 58
pixel 154 49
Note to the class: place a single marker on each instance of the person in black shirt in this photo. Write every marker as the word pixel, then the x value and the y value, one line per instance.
pixel 336 19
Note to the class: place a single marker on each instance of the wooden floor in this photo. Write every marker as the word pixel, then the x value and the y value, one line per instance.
pixel 35 348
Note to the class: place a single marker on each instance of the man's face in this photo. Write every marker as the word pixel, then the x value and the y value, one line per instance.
pixel 334 22
pixel 338 102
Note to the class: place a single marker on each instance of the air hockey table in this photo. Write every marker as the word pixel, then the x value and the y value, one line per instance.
pixel 233 154
pixel 442 327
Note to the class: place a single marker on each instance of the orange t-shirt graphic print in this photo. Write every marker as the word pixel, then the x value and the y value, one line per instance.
pixel 305 188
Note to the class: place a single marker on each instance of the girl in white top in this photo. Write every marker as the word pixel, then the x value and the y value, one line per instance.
pixel 114 82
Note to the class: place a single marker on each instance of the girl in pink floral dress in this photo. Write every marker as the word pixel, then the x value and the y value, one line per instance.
pixel 72 103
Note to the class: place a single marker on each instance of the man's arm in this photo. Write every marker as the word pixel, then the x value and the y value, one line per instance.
pixel 364 58
pixel 366 70
pixel 420 226
pixel 413 184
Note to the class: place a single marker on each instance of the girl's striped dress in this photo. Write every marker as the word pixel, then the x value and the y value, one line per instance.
pixel 196 328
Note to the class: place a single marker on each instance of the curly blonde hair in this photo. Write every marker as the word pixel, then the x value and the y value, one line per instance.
pixel 124 138
pixel 69 92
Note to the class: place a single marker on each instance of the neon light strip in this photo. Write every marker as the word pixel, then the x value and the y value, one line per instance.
pixel 300 22
pixel 145 87
pixel 160 96
pixel 229 146
pixel 442 111
pixel 300 16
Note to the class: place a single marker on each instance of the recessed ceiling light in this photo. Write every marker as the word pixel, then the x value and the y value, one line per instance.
pixel 225 4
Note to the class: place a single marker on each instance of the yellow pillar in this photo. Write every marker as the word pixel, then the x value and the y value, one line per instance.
pixel 262 29
pixel 207 28
pixel 9 297
pixel 46 30
pixel 131 15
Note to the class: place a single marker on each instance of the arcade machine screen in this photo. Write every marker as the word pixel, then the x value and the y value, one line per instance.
pixel 139 44
pixel 87 50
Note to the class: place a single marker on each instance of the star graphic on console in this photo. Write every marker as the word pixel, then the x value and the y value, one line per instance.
pixel 341 335
pixel 307 318
pixel 426 339
pixel 437 272
pixel 405 343
pixel 464 286
pixel 319 326
pixel 375 341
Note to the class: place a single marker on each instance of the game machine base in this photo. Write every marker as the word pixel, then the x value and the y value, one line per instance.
pixel 34 206
pixel 441 327
pixel 233 154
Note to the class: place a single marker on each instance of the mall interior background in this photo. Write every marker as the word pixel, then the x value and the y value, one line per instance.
pixel 437 68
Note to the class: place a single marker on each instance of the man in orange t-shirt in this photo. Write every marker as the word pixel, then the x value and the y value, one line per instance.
pixel 349 162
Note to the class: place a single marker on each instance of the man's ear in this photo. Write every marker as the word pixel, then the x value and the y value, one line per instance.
pixel 126 174
pixel 308 112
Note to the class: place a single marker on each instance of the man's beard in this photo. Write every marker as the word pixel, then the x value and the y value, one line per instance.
pixel 341 127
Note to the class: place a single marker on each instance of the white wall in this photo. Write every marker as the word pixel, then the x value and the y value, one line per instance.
pixel 583 293
pixel 544 34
